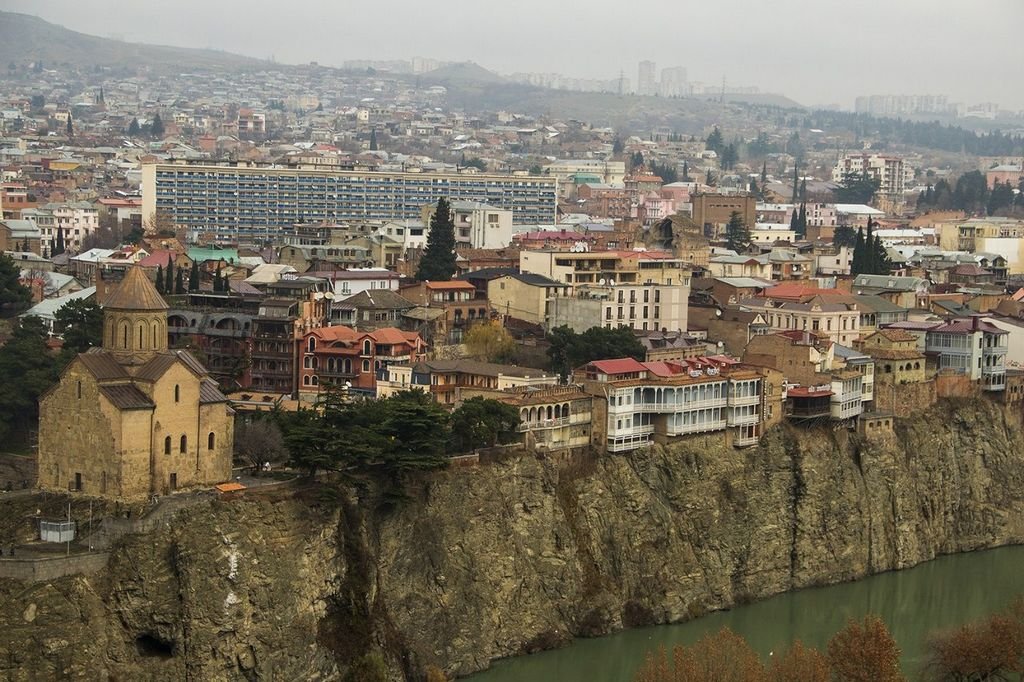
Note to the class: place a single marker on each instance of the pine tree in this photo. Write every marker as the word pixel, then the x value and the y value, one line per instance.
pixel 796 182
pixel 133 128
pixel 193 277
pixel 794 221
pixel 870 262
pixel 802 222
pixel 160 279
pixel 686 172
pixel 373 142
pixel 764 173
pixel 754 189
pixel 218 281
pixel 179 283
pixel 737 234
pixel 709 179
pixel 803 189
pixel 437 264
pixel 70 128
pixel 169 277
pixel 879 257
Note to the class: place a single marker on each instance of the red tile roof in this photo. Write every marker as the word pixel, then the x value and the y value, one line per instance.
pixel 455 284
pixel 619 366
pixel 806 392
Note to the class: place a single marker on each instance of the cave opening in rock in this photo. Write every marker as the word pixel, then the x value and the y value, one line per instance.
pixel 152 646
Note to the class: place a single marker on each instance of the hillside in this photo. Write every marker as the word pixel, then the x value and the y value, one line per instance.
pixel 25 38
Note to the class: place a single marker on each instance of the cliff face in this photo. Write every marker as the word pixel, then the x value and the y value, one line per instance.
pixel 503 559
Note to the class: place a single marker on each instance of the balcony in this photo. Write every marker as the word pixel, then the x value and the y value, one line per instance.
pixel 544 424
pixel 741 401
pixel 744 420
pixel 743 441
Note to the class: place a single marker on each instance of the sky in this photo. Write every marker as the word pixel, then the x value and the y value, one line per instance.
pixel 818 52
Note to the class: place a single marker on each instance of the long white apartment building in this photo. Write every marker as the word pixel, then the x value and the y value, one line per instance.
pixel 250 203
pixel 893 172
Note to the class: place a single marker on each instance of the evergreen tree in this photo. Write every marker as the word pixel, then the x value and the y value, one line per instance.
pixel 169 277
pixel 764 173
pixel 754 189
pixel 133 128
pixel 437 264
pixel 373 142
pixel 179 283
pixel 794 220
pixel 796 181
pixel 715 141
pixel 59 247
pixel 70 128
pixel 193 277
pixel 803 189
pixel 737 234
pixel 879 257
pixel 156 128
pixel 870 261
pixel 218 280
pixel 802 222
pixel 686 172
pixel 860 254
pixel 844 236
pixel 160 279
pixel 709 179
pixel 14 296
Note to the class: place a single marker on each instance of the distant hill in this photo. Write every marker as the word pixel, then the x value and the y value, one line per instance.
pixel 25 38
pixel 463 73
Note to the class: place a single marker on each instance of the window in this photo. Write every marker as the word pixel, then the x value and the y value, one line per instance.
pixel 366 347
pixel 183 446
pixel 177 393
pixel 366 365
pixel 210 441
pixel 311 345
pixel 79 390
pixel 167 445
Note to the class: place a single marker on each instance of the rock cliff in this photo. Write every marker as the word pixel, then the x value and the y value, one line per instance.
pixel 502 559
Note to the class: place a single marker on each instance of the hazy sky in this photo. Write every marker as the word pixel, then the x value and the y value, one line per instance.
pixel 816 51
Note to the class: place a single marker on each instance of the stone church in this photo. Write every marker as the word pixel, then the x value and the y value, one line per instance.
pixel 133 419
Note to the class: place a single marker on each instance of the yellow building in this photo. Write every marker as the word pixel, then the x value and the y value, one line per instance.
pixel 132 418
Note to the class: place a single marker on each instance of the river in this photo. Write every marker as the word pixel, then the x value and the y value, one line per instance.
pixel 939 594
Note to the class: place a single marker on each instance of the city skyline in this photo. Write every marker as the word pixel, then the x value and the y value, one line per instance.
pixel 803 51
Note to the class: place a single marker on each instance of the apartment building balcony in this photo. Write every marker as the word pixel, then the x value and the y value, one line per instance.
pixel 744 419
pixel 272 354
pixel 544 424
pixel 643 430
pixel 742 401
pixel 746 440
pixel 626 444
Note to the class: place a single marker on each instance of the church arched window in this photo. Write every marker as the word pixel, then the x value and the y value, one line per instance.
pixel 184 443
pixel 79 390
pixel 177 393
pixel 167 445
pixel 142 336
pixel 210 439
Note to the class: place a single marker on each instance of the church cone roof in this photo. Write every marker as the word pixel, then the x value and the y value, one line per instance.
pixel 136 292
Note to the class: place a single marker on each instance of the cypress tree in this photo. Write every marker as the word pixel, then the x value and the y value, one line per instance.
pixel 59 247
pixel 373 143
pixel 803 190
pixel 169 277
pixel 802 221
pixel 70 129
pixel 859 254
pixel 794 221
pixel 686 171
pixel 157 127
pixel 218 284
pixel 133 128
pixel 179 283
pixel 160 279
pixel 796 181
pixel 764 173
pixel 437 264
pixel 193 277
pixel 870 261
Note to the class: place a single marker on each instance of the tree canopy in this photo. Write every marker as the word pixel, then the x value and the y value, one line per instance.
pixel 437 264
pixel 14 296
pixel 569 350
pixel 491 342
pixel 856 188
pixel 737 233
pixel 80 322
pixel 27 369
pixel 481 422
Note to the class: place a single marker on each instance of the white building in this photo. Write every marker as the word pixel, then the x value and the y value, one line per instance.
pixel 78 220
pixel 892 172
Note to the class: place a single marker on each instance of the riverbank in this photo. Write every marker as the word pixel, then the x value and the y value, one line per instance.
pixel 489 562
pixel 914 603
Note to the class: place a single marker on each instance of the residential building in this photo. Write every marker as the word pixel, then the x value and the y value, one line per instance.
pixel 609 268
pixel 835 317
pixel 1004 173
pixel 646 81
pixel 371 309
pixel 477 225
pixel 458 303
pixel 973 347
pixel 642 307
pixel 256 203
pixel 609 172
pixel 893 173
pixel 897 358
pixel 20 235
pixel 525 295
pixel 133 419
pixel 341 357
pixel 446 379
pixel 906 292
pixel 658 401
pixel 551 418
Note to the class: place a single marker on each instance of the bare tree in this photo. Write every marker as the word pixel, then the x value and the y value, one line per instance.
pixel 260 441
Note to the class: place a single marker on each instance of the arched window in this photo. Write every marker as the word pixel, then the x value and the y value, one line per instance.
pixel 307 362
pixel 210 440
pixel 366 365
pixel 177 393
pixel 167 445
pixel 917 365
pixel 124 335
pixel 155 345
pixel 311 346
pixel 142 335
pixel 79 390
pixel 348 366
pixel 367 347
pixel 184 443
pixel 316 381
pixel 305 380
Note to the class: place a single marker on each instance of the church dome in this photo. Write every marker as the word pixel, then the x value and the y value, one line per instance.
pixel 136 292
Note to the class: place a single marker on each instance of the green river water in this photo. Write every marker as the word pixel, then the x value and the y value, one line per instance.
pixel 939 594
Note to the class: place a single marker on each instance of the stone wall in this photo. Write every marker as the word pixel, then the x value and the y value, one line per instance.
pixel 38 569
pixel 903 400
